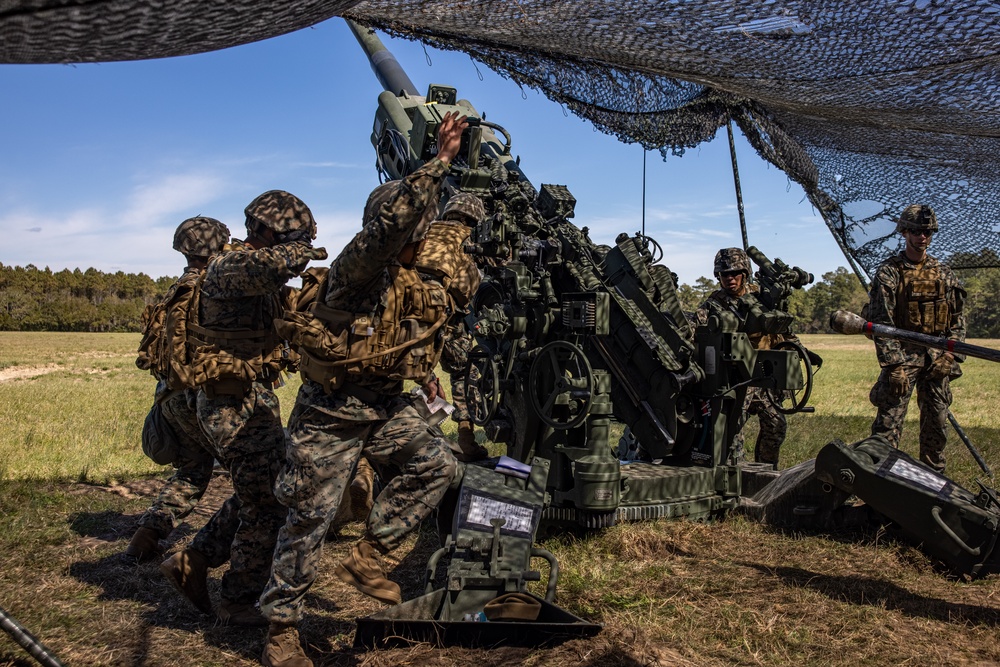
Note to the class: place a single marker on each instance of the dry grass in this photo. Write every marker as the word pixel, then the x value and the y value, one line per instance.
pixel 668 593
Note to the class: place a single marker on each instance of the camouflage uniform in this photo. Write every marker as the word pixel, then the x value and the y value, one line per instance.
pixel 773 425
pixel 454 360
pixel 466 209
pixel 197 238
pixel 241 292
pixel 193 466
pixel 933 395
pixel 329 431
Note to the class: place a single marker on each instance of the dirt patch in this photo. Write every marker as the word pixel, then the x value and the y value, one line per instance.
pixel 12 373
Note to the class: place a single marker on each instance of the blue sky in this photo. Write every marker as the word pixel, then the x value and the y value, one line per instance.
pixel 100 162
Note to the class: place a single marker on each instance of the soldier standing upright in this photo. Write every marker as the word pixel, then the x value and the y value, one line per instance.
pixel 382 325
pixel 235 359
pixel 198 239
pixel 914 291
pixel 465 211
pixel 732 269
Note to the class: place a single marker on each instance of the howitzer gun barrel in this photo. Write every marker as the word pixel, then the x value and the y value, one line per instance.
pixel 387 69
pixel 848 323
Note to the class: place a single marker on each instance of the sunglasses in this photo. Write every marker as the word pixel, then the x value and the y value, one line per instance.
pixel 921 232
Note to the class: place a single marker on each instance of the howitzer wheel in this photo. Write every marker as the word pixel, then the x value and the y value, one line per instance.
pixel 482 385
pixel 788 401
pixel 561 376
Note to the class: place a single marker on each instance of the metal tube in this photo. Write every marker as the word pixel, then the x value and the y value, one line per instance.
pixel 736 181
pixel 387 69
pixel 844 322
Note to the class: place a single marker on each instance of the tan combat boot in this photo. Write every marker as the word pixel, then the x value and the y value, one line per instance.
pixel 143 546
pixel 469 449
pixel 361 490
pixel 245 614
pixel 363 569
pixel 283 649
pixel 187 570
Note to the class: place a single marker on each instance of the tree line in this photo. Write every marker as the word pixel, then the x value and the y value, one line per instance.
pixel 33 299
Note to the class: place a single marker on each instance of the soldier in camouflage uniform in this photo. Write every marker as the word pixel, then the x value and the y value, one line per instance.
pixel 198 239
pixel 235 359
pixel 914 291
pixel 732 269
pixel 351 402
pixel 466 209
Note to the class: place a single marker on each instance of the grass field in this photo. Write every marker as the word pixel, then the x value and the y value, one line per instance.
pixel 73 481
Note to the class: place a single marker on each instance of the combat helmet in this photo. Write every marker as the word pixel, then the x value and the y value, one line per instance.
pixel 917 217
pixel 731 259
pixel 468 205
pixel 281 212
pixel 200 236
pixel 382 195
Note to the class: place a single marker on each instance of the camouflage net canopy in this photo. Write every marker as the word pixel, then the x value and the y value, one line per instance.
pixel 870 106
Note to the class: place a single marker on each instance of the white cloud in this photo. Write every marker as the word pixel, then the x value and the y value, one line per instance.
pixel 171 196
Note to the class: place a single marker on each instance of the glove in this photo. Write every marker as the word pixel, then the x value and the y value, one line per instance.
pixel 315 253
pixel 899 383
pixel 942 367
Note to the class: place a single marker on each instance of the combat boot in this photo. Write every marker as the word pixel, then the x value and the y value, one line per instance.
pixel 469 449
pixel 245 614
pixel 143 546
pixel 363 569
pixel 283 649
pixel 187 570
pixel 361 490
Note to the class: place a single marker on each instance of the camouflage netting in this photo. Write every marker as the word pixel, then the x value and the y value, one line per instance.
pixel 869 106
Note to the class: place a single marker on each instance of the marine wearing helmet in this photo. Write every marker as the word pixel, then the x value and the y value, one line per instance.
pixel 731 260
pixel 466 207
pixel 917 217
pixel 201 237
pixel 284 214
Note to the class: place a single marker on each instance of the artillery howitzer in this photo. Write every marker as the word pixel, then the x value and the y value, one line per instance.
pixel 950 523
pixel 572 336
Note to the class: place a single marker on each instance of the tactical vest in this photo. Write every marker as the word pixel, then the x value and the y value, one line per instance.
pixel 396 343
pixel 229 360
pixel 442 256
pixel 163 349
pixel 758 339
pixel 921 298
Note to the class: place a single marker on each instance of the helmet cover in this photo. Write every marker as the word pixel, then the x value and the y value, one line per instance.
pixel 468 205
pixel 200 236
pixel 731 259
pixel 281 212
pixel 917 217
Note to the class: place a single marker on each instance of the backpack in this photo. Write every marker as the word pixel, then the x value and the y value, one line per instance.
pixel 163 349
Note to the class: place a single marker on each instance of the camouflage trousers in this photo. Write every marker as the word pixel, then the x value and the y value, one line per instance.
pixel 454 359
pixel 773 427
pixel 246 437
pixel 933 400
pixel 323 454
pixel 193 467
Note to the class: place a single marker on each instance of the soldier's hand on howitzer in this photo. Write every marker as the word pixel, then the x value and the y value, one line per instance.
pixel 449 138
